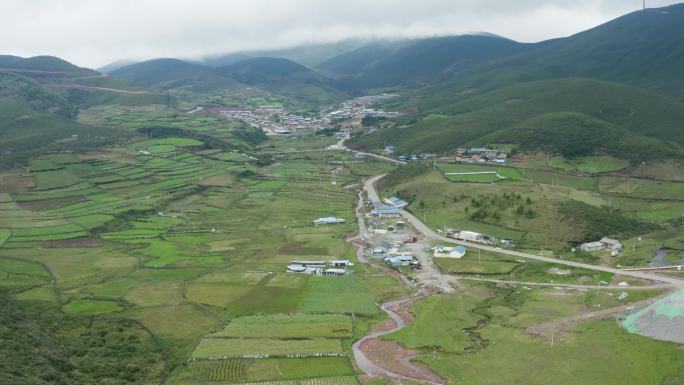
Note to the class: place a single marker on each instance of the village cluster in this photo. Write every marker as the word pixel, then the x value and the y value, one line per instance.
pixel 275 120
pixel 359 108
pixel 479 155
pixel 272 120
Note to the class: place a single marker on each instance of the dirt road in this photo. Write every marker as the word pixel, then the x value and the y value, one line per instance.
pixel 371 354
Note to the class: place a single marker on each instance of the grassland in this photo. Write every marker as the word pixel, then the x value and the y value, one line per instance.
pixel 589 164
pixel 91 307
pixel 533 212
pixel 473 338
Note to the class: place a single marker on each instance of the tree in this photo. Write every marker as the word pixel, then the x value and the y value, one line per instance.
pixel 520 210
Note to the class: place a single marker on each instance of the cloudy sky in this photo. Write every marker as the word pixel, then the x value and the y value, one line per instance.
pixel 96 32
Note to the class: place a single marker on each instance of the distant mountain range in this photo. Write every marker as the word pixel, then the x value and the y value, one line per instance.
pixel 276 75
pixel 625 77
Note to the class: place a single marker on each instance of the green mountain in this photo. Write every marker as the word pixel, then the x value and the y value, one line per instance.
pixel 165 74
pixel 34 119
pixel 283 77
pixel 38 63
pixel 556 94
pixel 224 60
pixel 543 110
pixel 30 92
pixel 416 62
pixel 644 48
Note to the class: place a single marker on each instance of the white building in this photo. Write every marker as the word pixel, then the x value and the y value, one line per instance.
pixel 470 236
pixel 328 221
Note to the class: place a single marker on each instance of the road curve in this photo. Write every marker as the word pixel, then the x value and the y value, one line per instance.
pixel 369 186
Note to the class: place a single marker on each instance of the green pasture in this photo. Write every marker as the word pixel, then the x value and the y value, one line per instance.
pixel 589 164
pixel 91 307
pixel 445 331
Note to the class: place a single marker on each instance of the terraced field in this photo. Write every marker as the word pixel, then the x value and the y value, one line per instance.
pixel 192 244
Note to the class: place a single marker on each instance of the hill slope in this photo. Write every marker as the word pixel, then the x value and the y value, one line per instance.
pixel 412 62
pixel 644 48
pixel 33 119
pixel 624 108
pixel 284 77
pixel 39 63
pixel 167 74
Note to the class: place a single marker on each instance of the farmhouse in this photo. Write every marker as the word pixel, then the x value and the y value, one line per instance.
pixel 328 221
pixel 334 272
pixel 611 244
pixel 337 267
pixel 449 252
pixel 605 243
pixel 401 260
pixel 385 211
pixel 470 236
pixel 310 263
pixel 304 270
pixel 396 202
pixel 342 263
pixel 381 248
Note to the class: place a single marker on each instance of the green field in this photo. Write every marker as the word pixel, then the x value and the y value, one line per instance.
pixel 327 370
pixel 91 307
pixel 479 174
pixel 141 244
pixel 590 164
pixel 464 353
pixel 295 326
pixel 213 348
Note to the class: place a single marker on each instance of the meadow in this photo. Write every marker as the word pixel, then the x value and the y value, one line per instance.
pixel 533 211
pixel 473 338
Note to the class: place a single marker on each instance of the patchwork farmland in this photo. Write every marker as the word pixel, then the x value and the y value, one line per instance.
pixel 192 243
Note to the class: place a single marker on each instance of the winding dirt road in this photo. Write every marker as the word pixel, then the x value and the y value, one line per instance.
pixel 370 352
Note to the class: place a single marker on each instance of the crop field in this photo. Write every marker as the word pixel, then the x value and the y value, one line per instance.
pixel 478 173
pixel 19 273
pixel 91 307
pixel 327 369
pixel 338 295
pixel 166 145
pixel 193 245
pixel 289 326
pixel 214 348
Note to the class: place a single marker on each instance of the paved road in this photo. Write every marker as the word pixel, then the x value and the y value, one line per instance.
pixel 369 186
pixel 571 286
